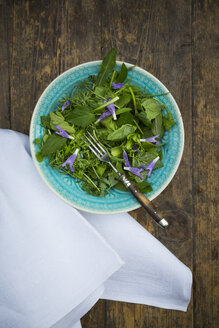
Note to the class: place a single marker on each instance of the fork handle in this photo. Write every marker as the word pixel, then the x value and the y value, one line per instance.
pixel 145 202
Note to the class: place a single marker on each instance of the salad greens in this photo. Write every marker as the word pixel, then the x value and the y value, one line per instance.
pixel 127 121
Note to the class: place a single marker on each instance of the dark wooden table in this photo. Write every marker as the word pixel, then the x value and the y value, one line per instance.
pixel 177 41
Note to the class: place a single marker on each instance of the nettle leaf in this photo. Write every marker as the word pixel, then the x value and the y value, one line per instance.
pixel 107 66
pixel 143 118
pixel 52 144
pixel 152 108
pixel 168 120
pixel 157 126
pixel 125 118
pixel 122 74
pixel 82 117
pixel 45 121
pixel 58 119
pixel 121 133
pixel 146 132
pixel 124 100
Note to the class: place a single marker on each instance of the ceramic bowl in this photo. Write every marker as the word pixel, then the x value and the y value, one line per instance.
pixel 65 186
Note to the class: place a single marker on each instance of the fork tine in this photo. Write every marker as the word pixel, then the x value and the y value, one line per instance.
pixel 95 147
pixel 95 153
pixel 95 140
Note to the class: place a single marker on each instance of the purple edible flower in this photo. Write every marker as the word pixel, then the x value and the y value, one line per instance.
pixel 70 160
pixel 135 171
pixel 63 133
pixel 125 156
pixel 103 115
pixel 152 140
pixel 151 165
pixel 135 148
pixel 110 110
pixel 117 85
pixel 66 104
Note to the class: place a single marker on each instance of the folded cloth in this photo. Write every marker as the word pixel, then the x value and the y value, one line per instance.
pixel 56 262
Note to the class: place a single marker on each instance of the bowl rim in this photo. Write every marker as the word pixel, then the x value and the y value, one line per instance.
pixel 167 181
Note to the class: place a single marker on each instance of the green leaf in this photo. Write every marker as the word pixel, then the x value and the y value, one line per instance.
pixel 109 123
pixel 45 121
pixel 45 137
pixel 124 100
pixel 111 180
pixel 116 151
pixel 122 74
pixel 82 117
pixel 107 66
pixel 58 119
pixel 120 186
pixel 125 118
pixel 168 120
pixel 148 146
pixel 101 169
pixel 160 154
pixel 52 144
pixel 103 92
pixel 121 133
pixel 146 132
pixel 100 91
pixel 37 141
pixel 144 186
pixel 123 110
pixel 131 67
pixel 143 117
pixel 39 156
pixel 102 133
pixel 152 108
pixel 157 126
pixel 146 158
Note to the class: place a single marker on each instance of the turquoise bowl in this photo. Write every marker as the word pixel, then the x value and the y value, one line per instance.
pixel 65 186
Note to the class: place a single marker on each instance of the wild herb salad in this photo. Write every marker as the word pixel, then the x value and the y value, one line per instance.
pixel 127 121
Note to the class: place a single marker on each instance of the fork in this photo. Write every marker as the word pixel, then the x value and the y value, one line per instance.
pixel 103 156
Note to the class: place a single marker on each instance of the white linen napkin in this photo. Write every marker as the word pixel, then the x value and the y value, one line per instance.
pixel 56 262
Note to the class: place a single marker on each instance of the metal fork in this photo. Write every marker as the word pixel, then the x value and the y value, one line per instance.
pixel 103 156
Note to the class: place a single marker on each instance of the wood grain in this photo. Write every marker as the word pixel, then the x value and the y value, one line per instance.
pixel 177 41
pixel 5 62
pixel 205 162
pixel 34 60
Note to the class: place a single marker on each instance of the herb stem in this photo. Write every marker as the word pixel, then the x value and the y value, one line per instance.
pixel 89 180
pixel 138 126
pixel 106 104
pixel 112 78
pixel 161 94
pixel 98 96
pixel 134 100
pixel 96 172
pixel 162 103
